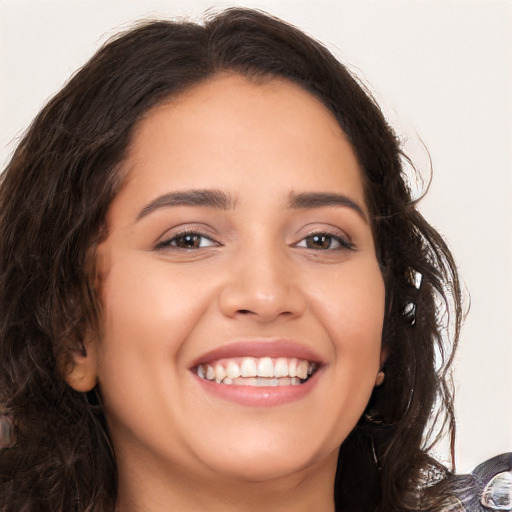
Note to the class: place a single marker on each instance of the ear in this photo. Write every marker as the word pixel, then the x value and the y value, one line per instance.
pixel 381 375
pixel 80 374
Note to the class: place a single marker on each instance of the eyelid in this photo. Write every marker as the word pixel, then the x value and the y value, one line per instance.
pixel 340 237
pixel 165 241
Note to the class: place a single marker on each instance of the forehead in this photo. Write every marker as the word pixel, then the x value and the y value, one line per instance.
pixel 234 131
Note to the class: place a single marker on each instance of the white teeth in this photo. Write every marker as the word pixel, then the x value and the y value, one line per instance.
pixel 253 381
pixel 233 370
pixel 250 371
pixel 210 372
pixel 220 372
pixel 281 368
pixel 248 368
pixel 292 368
pixel 265 367
pixel 302 370
pixel 266 381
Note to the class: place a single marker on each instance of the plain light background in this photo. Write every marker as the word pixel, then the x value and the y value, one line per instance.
pixel 441 70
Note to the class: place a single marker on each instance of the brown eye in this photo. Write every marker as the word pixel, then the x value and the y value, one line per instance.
pixel 324 242
pixel 319 242
pixel 187 241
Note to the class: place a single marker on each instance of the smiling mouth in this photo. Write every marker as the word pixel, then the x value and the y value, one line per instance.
pixel 256 372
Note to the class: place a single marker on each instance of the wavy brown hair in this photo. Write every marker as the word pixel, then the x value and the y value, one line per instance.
pixel 54 196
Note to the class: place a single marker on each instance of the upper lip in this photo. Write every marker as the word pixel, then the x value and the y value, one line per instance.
pixel 260 348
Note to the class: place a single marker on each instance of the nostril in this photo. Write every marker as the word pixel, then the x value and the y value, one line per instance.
pixel 245 311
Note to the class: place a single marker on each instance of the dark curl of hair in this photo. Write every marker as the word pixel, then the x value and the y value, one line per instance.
pixel 54 197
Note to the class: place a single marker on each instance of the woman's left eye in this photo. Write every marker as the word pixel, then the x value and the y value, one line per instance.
pixel 187 241
pixel 325 241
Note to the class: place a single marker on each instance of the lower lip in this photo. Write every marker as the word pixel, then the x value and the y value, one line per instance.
pixel 259 396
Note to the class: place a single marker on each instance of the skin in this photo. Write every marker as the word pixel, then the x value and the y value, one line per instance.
pixel 257 274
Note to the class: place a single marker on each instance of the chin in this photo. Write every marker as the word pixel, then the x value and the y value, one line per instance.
pixel 266 458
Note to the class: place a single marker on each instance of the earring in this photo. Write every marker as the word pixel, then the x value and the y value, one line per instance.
pixel 380 378
pixel 372 417
pixel 375 456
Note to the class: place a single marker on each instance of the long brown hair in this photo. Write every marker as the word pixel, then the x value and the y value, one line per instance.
pixel 54 196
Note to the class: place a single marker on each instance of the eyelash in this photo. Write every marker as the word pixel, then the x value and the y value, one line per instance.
pixel 342 241
pixel 172 242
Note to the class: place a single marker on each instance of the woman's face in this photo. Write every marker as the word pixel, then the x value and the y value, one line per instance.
pixel 239 249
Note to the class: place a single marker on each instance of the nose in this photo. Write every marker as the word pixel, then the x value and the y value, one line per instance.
pixel 264 287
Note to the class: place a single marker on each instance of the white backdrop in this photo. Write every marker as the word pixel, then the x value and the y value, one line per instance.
pixel 442 70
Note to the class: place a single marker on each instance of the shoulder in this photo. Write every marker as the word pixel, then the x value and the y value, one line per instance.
pixel 487 488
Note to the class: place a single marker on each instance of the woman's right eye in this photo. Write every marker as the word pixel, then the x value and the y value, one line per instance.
pixel 187 241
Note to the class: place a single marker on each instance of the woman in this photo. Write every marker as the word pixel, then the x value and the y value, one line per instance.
pixel 216 287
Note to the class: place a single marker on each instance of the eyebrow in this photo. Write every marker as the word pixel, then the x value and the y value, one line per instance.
pixel 207 198
pixel 219 200
pixel 321 199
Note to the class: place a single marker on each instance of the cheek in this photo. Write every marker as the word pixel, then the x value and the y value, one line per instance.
pixel 148 315
pixel 352 303
pixel 350 307
pixel 142 300
pixel 352 312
